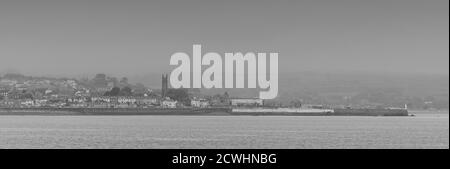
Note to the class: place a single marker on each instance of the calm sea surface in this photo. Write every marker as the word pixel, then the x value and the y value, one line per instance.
pixel 423 131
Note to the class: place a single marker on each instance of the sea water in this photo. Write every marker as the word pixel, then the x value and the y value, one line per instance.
pixel 426 130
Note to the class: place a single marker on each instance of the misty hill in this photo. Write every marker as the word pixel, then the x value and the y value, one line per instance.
pixel 356 89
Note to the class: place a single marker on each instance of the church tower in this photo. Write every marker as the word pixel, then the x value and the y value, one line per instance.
pixel 165 85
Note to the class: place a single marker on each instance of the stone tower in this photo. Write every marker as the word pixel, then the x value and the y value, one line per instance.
pixel 165 85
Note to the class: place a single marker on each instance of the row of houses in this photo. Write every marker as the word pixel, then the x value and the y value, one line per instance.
pixel 169 103
pixel 31 103
pixel 126 101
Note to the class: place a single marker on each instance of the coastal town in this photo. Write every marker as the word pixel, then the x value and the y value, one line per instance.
pixel 19 91
pixel 103 91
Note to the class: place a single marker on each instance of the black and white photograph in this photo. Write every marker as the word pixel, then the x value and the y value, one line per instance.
pixel 224 74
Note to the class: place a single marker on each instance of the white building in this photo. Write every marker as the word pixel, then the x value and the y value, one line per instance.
pixel 169 104
pixel 27 102
pixel 246 102
pixel 77 100
pixel 202 103
pixel 126 100
pixel 4 93
pixel 40 102
pixel 101 99
pixel 48 91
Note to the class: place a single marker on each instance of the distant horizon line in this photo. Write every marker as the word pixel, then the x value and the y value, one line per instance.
pixel 356 73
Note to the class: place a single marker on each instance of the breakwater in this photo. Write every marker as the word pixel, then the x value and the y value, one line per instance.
pixel 370 112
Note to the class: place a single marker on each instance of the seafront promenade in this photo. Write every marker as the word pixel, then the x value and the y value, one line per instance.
pixel 204 111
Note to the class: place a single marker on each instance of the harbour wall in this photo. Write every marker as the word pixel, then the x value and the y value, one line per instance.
pixel 370 112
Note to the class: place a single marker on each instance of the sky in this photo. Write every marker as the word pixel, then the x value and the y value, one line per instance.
pixel 129 37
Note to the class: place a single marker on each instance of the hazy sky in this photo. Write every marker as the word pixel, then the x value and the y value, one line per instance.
pixel 128 37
